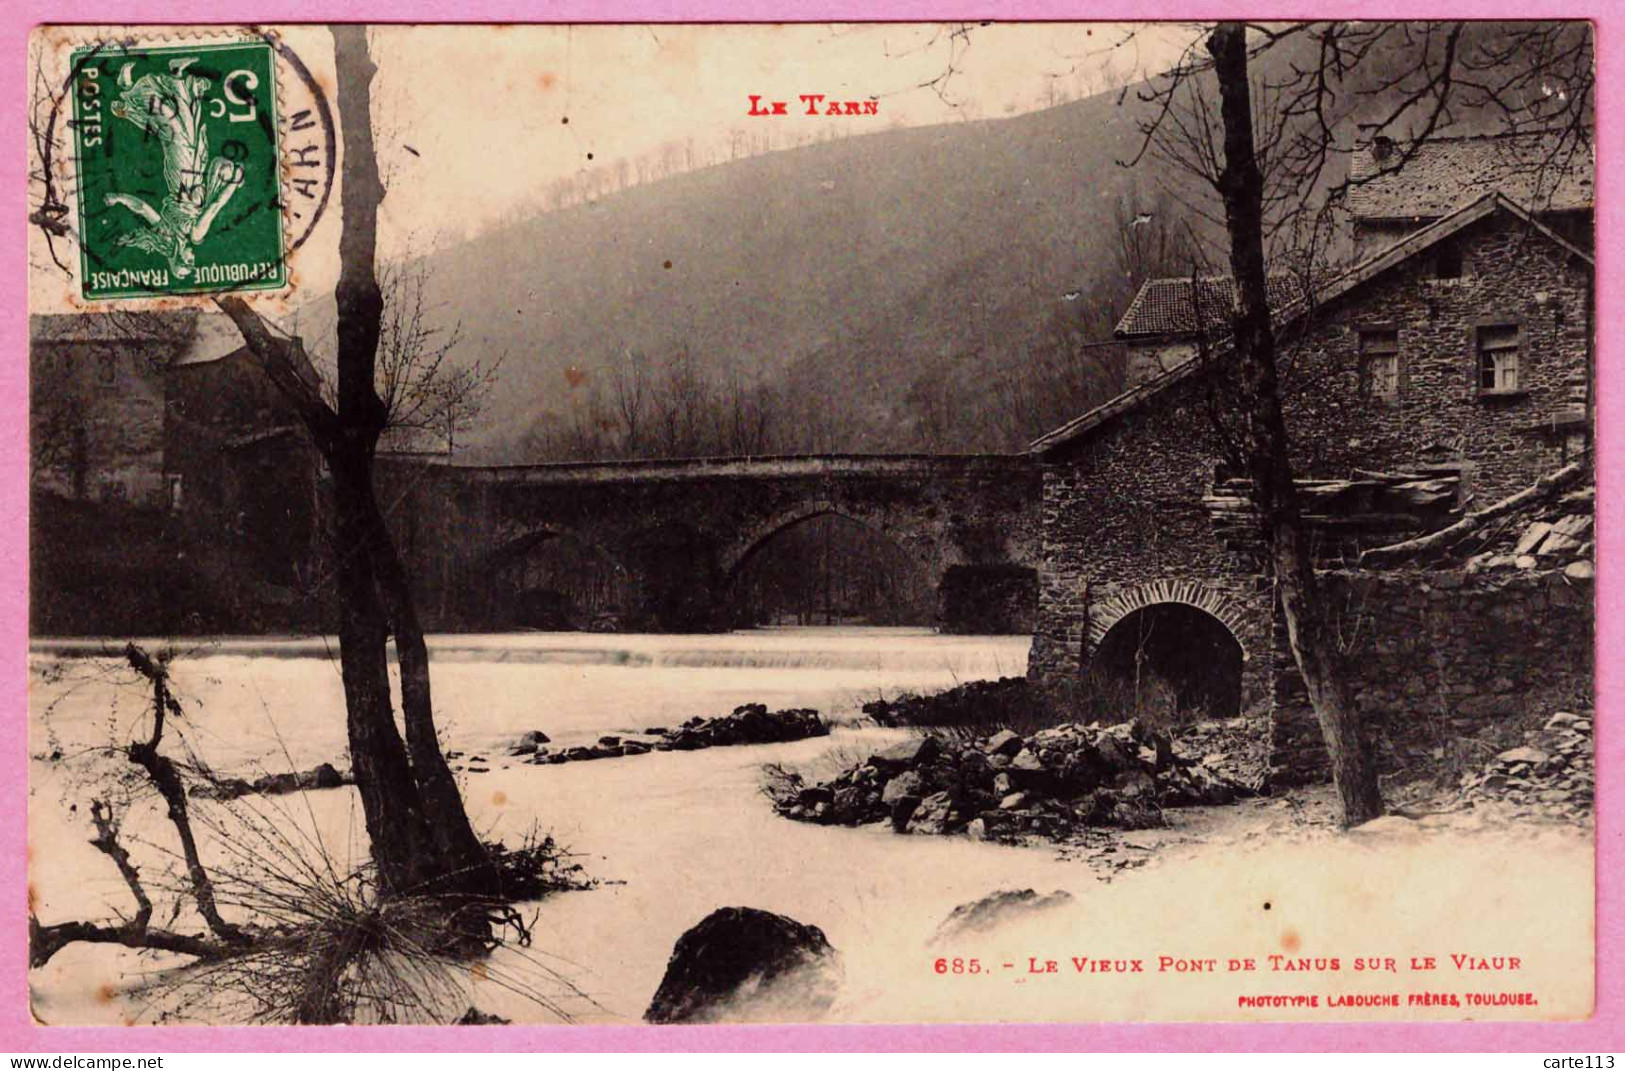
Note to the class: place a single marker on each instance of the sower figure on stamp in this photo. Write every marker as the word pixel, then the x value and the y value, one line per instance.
pixel 170 108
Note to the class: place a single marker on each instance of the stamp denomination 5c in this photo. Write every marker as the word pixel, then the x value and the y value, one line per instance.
pixel 178 156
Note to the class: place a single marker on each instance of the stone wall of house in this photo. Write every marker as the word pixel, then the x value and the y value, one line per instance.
pixel 1124 515
pixel 244 472
pixel 1122 504
pixel 1510 276
pixel 1438 656
pixel 1372 236
pixel 97 417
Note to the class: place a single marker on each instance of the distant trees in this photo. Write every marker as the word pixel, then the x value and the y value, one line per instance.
pixel 638 408
pixel 1068 362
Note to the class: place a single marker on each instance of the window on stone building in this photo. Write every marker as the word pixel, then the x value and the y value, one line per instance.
pixel 1498 347
pixel 1379 363
pixel 174 491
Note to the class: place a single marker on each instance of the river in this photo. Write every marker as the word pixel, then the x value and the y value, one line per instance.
pixel 672 836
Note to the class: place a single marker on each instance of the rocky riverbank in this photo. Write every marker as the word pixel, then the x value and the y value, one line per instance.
pixel 1006 786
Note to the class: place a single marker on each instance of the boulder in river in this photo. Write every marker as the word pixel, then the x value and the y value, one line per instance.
pixel 1003 742
pixel 935 814
pixel 741 964
pixel 911 753
pixel 529 742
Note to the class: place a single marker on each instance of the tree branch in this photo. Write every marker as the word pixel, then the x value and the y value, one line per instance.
pixel 1445 538
pixel 275 358
pixel 46 941
pixel 167 780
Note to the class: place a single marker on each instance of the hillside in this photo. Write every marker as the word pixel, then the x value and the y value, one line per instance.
pixel 845 270
pixel 887 287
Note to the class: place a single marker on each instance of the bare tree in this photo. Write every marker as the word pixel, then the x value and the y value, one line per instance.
pixel 1241 184
pixel 1268 154
pixel 745 418
pixel 428 395
pixel 420 834
pixel 631 386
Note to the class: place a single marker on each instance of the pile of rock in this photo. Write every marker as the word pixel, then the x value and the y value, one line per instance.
pixel 1560 538
pixel 1235 748
pixel 1007 787
pixel 325 775
pixel 748 724
pixel 972 703
pixel 1554 772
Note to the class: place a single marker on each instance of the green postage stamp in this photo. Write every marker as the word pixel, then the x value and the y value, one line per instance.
pixel 178 169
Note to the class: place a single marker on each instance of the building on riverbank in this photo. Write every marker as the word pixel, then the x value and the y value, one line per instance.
pixel 156 428
pixel 1457 357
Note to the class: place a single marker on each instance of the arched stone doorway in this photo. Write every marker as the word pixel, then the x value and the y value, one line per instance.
pixel 1171 648
pixel 1175 658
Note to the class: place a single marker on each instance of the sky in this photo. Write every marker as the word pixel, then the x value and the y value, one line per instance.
pixel 495 115
pixel 474 124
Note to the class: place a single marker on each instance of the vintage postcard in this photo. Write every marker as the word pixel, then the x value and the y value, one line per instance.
pixel 811 523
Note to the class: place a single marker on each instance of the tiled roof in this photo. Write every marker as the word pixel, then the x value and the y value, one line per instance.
pixel 1169 306
pixel 1445 174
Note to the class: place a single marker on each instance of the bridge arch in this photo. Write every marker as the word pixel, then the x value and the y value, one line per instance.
pixel 552 576
pixel 742 549
pixel 885 569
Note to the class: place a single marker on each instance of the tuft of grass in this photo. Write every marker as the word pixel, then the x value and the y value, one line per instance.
pixel 328 945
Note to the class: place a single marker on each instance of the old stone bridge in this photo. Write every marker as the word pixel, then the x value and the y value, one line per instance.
pixel 670 538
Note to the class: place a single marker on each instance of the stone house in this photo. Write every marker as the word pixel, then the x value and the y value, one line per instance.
pixel 1479 373
pixel 156 427
pixel 1386 202
pixel 241 468
pixel 96 403
pixel 1170 318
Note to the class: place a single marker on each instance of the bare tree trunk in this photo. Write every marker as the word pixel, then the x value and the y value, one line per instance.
pixel 452 835
pixel 397 827
pixel 420 832
pixel 1266 448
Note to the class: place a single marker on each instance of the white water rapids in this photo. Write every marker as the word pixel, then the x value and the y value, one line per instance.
pixel 676 835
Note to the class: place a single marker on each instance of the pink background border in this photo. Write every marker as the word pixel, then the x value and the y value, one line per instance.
pixel 1603 1032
